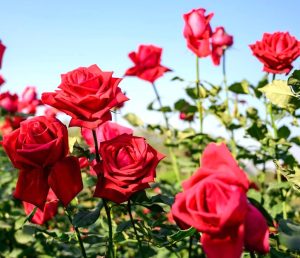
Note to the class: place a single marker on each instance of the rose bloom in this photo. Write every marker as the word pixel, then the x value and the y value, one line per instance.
pixel 39 149
pixel 104 132
pixel 220 41
pixel 128 165
pixel 11 123
pixel 214 202
pixel 186 117
pixel 2 50
pixel 147 64
pixel 29 101
pixel 2 81
pixel 87 94
pixel 197 31
pixel 9 102
pixel 277 51
pixel 49 211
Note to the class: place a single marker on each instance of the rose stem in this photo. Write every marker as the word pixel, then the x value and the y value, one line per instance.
pixel 173 156
pixel 106 207
pixel 278 170
pixel 233 145
pixel 134 228
pixel 199 102
pixel 190 246
pixel 79 239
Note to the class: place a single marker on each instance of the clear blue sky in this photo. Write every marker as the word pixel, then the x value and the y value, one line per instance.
pixel 47 38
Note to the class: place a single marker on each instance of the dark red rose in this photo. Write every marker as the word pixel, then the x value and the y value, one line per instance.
pixel 9 102
pixel 87 94
pixel 104 132
pixel 2 81
pixel 147 63
pixel 2 49
pixel 197 31
pixel 39 149
pixel 214 202
pixel 220 41
pixel 29 101
pixel 49 211
pixel 277 51
pixel 128 165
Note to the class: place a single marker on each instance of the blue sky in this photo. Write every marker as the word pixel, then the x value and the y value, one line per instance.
pixel 47 38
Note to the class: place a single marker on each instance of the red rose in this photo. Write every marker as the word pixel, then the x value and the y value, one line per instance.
pixel 104 132
pixel 87 95
pixel 147 63
pixel 9 101
pixel 39 149
pixel 1 80
pixel 29 101
pixel 49 211
pixel 2 49
pixel 214 202
pixel 128 165
pixel 220 41
pixel 277 51
pixel 11 123
pixel 197 31
pixel 186 117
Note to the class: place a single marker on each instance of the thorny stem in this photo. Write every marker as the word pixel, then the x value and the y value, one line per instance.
pixel 170 149
pixel 134 228
pixel 79 239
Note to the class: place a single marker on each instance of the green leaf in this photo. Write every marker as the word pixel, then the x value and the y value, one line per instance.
pixel 85 218
pixel 78 151
pixel 284 132
pixel 240 87
pixel 181 104
pixel 133 119
pixel 123 226
pixel 257 130
pixel 289 234
pixel 178 236
pixel 177 78
pixel 192 92
pixel 162 199
pixel 279 93
pixel 165 109
pixel 294 79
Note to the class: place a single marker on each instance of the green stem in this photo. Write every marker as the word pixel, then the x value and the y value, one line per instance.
pixel 134 228
pixel 170 149
pixel 111 244
pixel 199 102
pixel 190 246
pixel 96 145
pixel 79 239
pixel 107 209
pixel 225 82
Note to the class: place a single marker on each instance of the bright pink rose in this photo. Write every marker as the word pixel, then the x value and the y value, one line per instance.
pixel 147 63
pixel 104 132
pixel 87 94
pixel 128 165
pixel 277 51
pixel 9 102
pixel 220 42
pixel 2 49
pixel 197 31
pixel 214 202
pixel 49 211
